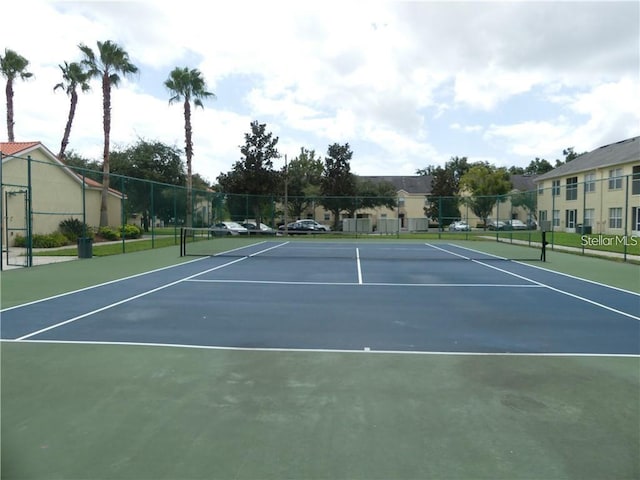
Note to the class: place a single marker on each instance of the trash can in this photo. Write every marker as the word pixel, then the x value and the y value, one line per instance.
pixel 85 247
pixel 583 229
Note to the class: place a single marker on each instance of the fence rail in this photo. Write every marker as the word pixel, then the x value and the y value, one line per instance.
pixel 38 194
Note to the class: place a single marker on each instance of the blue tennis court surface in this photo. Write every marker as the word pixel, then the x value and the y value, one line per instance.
pixel 418 298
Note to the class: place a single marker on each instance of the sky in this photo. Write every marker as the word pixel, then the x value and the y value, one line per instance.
pixel 407 84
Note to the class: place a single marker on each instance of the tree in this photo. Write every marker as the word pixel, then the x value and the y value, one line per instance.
pixel 253 175
pixel 185 86
pixel 108 64
pixel 73 76
pixel 370 194
pixel 528 201
pixel 338 184
pixel 569 155
pixel 303 175
pixel 485 184
pixel 443 202
pixel 144 163
pixel 12 66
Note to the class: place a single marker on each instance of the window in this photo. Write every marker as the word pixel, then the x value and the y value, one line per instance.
pixel 572 188
pixel 327 216
pixel 635 181
pixel 570 218
pixel 555 188
pixel 556 218
pixel 590 182
pixel 635 219
pixel 615 179
pixel 615 218
pixel 589 216
pixel 541 188
pixel 400 202
pixel 383 216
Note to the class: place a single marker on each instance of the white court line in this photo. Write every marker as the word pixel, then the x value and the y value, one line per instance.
pixel 563 292
pixel 266 249
pixel 359 266
pixel 364 350
pixel 371 284
pixel 53 297
pixel 148 292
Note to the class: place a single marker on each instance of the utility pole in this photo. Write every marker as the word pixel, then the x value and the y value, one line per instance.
pixel 286 196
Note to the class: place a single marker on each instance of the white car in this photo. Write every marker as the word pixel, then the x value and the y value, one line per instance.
pixel 516 224
pixel 229 228
pixel 460 226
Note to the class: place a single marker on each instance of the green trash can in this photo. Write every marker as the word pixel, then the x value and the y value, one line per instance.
pixel 85 247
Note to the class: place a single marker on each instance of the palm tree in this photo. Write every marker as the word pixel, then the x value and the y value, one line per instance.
pixel 12 65
pixel 73 76
pixel 186 85
pixel 111 61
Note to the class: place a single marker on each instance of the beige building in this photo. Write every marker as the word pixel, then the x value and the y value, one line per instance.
pixel 598 192
pixel 409 215
pixel 57 192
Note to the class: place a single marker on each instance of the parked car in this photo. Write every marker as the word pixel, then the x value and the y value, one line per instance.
pixel 315 225
pixel 261 229
pixel 496 225
pixel 460 226
pixel 229 228
pixel 516 224
pixel 305 226
pixel 532 224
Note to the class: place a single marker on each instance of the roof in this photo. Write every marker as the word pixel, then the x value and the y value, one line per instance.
pixel 13 149
pixel 608 155
pixel 414 184
pixel 523 183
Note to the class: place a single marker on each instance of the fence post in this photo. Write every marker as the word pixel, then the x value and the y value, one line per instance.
pixel 29 215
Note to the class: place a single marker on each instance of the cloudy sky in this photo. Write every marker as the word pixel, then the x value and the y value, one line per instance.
pixel 406 84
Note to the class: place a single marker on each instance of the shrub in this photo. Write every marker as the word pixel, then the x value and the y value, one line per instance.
pixel 109 233
pixel 72 228
pixel 131 231
pixel 50 240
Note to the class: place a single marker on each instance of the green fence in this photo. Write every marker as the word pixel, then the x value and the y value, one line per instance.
pixel 38 195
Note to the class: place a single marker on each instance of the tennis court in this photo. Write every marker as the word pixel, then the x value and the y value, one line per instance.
pixel 326 359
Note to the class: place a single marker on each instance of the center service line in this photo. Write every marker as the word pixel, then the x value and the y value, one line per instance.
pixel 359 266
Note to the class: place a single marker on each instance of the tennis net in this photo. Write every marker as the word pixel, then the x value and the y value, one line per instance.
pixel 209 242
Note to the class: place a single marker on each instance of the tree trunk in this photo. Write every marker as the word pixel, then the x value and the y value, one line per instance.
pixel 67 128
pixel 189 153
pixel 9 92
pixel 106 125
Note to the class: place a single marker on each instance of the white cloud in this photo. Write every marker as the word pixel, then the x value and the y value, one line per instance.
pixel 405 83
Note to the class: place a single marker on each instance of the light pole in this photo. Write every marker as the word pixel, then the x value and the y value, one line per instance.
pixel 286 197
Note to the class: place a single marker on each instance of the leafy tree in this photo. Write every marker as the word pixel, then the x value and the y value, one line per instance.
pixel 370 194
pixel 12 66
pixel 303 175
pixel 445 188
pixel 186 86
pixel 569 155
pixel 253 175
pixel 338 184
pixel 110 62
pixel 74 76
pixel 485 184
pixel 83 166
pixel 147 162
pixel 527 201
pixel 538 166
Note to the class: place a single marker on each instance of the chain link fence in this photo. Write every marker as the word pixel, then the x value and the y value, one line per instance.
pixel 46 204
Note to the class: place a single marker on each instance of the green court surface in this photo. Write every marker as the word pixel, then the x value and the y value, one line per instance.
pixel 103 411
